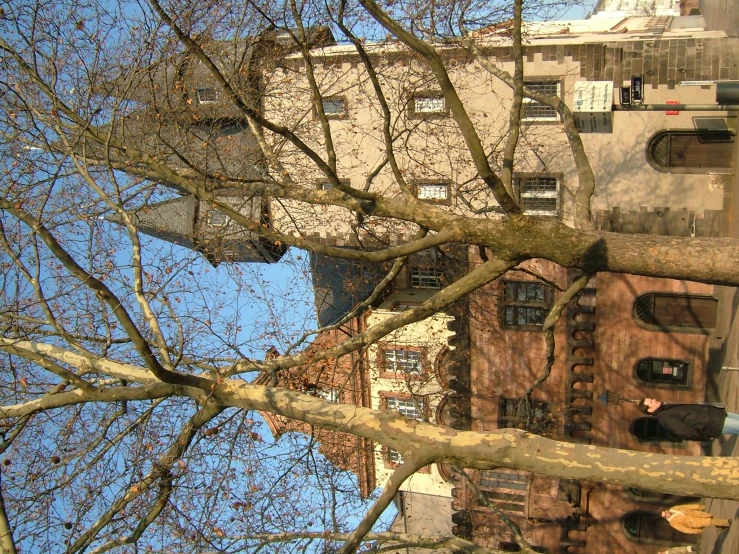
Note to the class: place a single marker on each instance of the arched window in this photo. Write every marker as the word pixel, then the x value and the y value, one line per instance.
pixel 659 371
pixel 676 312
pixel 649 429
pixel 690 151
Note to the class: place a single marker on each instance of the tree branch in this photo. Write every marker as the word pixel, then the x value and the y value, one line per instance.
pixel 466 127
pixel 398 477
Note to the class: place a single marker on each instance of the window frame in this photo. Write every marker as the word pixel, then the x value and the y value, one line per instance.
pixel 392 372
pixel 387 396
pixel 201 91
pixel 521 178
pixel 334 98
pixel 505 303
pixel 418 185
pixel 684 383
pixel 505 421
pixel 210 219
pixel 437 277
pixel 427 95
pixel 504 492
pixel 538 119
pixel 329 394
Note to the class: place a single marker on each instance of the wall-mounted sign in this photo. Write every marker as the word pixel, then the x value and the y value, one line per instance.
pixel 625 96
pixel 592 106
pixel 672 112
pixel 637 89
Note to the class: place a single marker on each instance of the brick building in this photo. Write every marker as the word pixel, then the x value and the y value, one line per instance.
pixel 471 366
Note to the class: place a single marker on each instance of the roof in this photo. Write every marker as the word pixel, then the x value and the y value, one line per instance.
pixel 339 284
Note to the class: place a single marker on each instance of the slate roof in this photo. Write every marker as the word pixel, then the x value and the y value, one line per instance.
pixel 339 284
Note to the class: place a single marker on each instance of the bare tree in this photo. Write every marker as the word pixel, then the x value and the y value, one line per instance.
pixel 135 394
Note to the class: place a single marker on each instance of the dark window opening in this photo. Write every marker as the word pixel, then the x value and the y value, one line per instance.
pixel 525 304
pixel 657 370
pixel 425 278
pixel 208 95
pixel 524 413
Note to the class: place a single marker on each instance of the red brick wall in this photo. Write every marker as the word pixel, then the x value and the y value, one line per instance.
pixel 504 362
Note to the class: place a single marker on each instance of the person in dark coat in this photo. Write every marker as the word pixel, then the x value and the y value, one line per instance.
pixel 695 422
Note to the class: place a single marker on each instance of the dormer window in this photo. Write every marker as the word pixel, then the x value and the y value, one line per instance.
pixel 208 95
pixel 217 219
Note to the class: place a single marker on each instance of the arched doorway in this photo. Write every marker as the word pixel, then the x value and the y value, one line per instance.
pixel 690 151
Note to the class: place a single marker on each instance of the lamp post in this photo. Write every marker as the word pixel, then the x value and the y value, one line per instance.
pixel 610 398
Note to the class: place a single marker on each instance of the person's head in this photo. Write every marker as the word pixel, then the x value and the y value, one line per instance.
pixel 665 513
pixel 649 405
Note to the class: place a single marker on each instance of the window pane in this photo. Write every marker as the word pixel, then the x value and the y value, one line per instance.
pixel 425 278
pixel 395 457
pixel 407 361
pixel 538 195
pixel 433 191
pixel 429 104
pixel 656 370
pixel 217 218
pixel 333 106
pixel 533 110
pixel 207 95
pixel 405 407
pixel 330 395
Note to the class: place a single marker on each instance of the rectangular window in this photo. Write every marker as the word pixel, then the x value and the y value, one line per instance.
pixel 407 407
pixel 529 415
pixel 505 489
pixel 394 457
pixel 217 219
pixel 425 278
pixel 536 111
pixel 208 95
pixel 503 479
pixel 402 361
pixel 525 304
pixel 329 395
pixel 404 306
pixel 334 107
pixel 433 191
pixel 538 194
pixel 429 105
